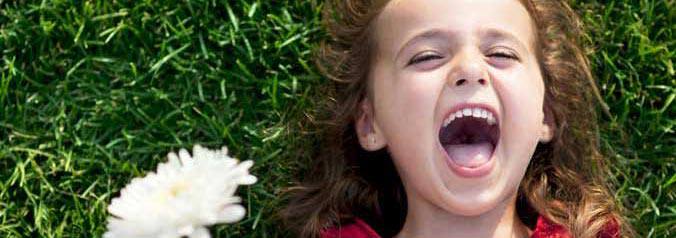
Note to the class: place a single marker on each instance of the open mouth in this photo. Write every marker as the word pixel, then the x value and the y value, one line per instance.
pixel 469 136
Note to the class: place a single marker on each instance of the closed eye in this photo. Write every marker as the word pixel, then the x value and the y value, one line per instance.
pixel 422 57
pixel 503 54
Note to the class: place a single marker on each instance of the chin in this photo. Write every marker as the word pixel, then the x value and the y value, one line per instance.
pixel 476 205
pixel 475 196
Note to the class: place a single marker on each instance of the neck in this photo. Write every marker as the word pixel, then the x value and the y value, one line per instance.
pixel 426 220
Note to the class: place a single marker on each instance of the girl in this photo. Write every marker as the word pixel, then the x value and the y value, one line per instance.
pixel 456 118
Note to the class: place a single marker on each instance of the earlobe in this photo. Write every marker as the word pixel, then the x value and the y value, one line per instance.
pixel 546 133
pixel 547 128
pixel 370 136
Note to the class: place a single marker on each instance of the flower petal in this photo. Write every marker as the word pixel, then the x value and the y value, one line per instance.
pixel 232 213
pixel 200 232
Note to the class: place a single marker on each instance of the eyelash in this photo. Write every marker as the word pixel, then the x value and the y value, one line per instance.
pixel 504 54
pixel 423 57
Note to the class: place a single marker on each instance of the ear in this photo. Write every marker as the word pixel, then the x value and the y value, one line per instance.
pixel 370 135
pixel 547 129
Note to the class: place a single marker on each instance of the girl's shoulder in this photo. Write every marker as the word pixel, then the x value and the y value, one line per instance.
pixel 544 228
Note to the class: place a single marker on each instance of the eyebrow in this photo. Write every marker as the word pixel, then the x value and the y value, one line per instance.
pixel 425 35
pixel 494 35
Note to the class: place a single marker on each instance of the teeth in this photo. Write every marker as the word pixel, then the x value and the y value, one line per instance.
pixel 473 112
pixel 449 119
pixel 477 112
pixel 490 119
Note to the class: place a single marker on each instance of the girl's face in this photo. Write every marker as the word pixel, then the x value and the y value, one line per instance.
pixel 457 99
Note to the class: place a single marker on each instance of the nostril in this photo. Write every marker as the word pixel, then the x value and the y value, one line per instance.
pixel 482 81
pixel 460 82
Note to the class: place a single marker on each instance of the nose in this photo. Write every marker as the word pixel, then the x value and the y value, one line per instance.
pixel 468 70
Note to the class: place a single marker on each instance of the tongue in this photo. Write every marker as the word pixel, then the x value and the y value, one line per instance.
pixel 470 155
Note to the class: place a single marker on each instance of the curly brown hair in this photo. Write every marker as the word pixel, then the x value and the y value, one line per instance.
pixel 566 178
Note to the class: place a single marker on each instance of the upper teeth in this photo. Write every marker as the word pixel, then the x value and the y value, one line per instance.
pixel 471 112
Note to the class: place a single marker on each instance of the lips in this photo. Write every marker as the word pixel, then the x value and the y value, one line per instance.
pixel 468 136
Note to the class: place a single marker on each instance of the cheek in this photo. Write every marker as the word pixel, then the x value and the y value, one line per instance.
pixel 521 92
pixel 406 103
pixel 408 124
pixel 521 95
pixel 523 100
pixel 405 112
pixel 417 97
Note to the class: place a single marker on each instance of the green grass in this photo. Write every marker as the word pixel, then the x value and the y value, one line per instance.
pixel 633 62
pixel 94 93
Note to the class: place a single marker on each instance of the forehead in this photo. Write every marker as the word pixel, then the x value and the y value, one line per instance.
pixel 402 20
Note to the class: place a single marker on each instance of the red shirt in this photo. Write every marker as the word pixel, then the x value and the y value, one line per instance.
pixel 543 229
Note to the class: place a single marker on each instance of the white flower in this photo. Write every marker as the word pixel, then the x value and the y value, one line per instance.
pixel 182 197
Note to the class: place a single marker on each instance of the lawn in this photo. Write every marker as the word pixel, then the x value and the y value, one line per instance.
pixel 94 93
